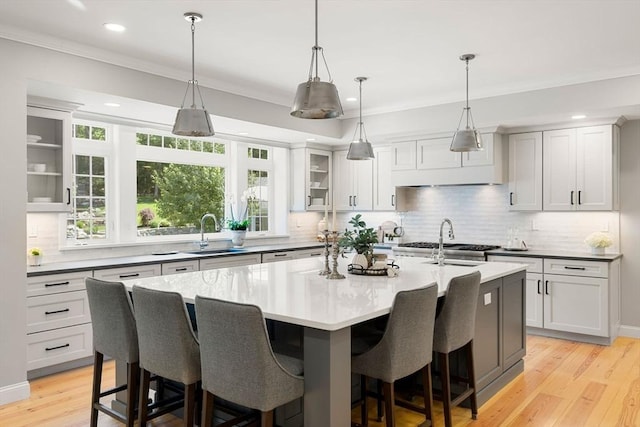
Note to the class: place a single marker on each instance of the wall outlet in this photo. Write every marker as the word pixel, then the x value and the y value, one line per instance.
pixel 33 231
pixel 605 226
pixel 534 225
pixel 487 298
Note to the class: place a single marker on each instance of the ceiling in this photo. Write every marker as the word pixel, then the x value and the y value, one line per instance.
pixel 408 49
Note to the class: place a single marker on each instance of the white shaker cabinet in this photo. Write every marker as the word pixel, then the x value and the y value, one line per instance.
pixel 48 160
pixel 435 154
pixel 580 168
pixel 567 297
pixel 311 179
pixel 525 171
pixel 384 192
pixel 353 189
pixel 403 156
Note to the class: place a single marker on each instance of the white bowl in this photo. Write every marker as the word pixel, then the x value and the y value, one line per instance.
pixel 315 184
pixel 39 167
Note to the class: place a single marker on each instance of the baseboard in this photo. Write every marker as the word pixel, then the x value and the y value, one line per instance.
pixel 14 392
pixel 629 331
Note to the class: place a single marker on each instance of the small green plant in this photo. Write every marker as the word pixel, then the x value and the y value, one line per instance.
pixel 361 239
pixel 35 251
pixel 234 224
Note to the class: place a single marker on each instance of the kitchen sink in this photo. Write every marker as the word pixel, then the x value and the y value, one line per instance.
pixel 214 251
pixel 457 262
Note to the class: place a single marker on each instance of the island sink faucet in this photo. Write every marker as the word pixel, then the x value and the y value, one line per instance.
pixel 451 237
pixel 205 242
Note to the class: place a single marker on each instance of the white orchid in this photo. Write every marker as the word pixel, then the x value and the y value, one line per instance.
pixel 598 239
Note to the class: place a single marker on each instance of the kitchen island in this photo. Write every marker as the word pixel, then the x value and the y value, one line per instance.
pixel 294 293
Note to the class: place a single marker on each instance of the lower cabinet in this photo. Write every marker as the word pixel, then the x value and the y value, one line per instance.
pixel 121 273
pixel 573 299
pixel 230 261
pixel 58 320
pixel 178 267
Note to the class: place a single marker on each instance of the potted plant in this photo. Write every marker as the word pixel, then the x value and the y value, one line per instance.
pixel 35 256
pixel 239 226
pixel 361 239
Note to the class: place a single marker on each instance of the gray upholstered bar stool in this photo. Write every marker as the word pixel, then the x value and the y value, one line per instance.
pixel 455 328
pixel 114 335
pixel 405 348
pixel 168 348
pixel 238 363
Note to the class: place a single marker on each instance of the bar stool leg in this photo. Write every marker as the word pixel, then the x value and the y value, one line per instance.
pixel 266 419
pixel 145 378
pixel 446 387
pixel 97 382
pixel 472 380
pixel 133 376
pixel 427 394
pixel 389 400
pixel 364 413
pixel 189 404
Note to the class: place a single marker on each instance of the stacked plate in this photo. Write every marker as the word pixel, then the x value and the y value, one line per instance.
pixel 33 138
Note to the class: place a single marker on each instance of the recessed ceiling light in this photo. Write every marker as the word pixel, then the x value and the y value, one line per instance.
pixel 310 139
pixel 578 116
pixel 111 104
pixel 351 99
pixel 114 27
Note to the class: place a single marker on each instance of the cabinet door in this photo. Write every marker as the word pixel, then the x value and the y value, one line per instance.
pixel 48 160
pixel 308 253
pixel 534 305
pixel 559 170
pixel 576 304
pixel 384 193
pixel 342 176
pixel 514 338
pixel 362 175
pixel 229 261
pixel 278 256
pixel 318 180
pixel 484 157
pixel 594 174
pixel 435 154
pixel 178 267
pixel 486 342
pixel 525 172
pixel 121 273
pixel 403 156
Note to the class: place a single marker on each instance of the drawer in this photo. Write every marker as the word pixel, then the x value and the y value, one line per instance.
pixel 534 265
pixel 309 253
pixel 179 267
pixel 48 312
pixel 278 256
pixel 229 261
pixel 56 283
pixel 576 267
pixel 136 272
pixel 58 346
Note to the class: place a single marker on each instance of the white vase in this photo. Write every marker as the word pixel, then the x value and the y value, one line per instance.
pixel 361 260
pixel 35 260
pixel 237 237
pixel 597 251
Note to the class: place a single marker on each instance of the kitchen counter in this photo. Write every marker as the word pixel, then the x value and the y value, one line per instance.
pixel 293 292
pixel 549 253
pixel 103 263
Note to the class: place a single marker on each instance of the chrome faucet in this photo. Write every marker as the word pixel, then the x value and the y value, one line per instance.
pixel 440 255
pixel 205 242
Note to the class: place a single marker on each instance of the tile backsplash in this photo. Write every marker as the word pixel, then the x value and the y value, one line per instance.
pixel 479 214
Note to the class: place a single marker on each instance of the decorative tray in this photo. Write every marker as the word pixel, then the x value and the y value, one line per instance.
pixel 357 269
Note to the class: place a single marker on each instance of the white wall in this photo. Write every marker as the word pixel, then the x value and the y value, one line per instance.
pixel 630 226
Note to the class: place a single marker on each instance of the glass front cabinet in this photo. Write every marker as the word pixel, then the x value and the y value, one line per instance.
pixel 48 160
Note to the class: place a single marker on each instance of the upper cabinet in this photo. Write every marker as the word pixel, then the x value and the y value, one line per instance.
pixel 48 160
pixel 525 171
pixel 384 192
pixel 580 169
pixel 430 162
pixel 354 179
pixel 311 175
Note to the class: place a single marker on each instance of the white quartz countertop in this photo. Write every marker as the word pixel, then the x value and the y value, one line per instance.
pixel 293 292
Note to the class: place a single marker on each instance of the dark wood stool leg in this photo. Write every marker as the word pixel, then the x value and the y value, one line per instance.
pixel 427 393
pixel 364 413
pixel 207 408
pixel 189 404
pixel 95 391
pixel 133 376
pixel 446 387
pixel 472 380
pixel 145 377
pixel 389 400
pixel 379 391
pixel 266 419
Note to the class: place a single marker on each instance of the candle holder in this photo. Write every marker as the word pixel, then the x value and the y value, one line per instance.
pixel 334 273
pixel 325 271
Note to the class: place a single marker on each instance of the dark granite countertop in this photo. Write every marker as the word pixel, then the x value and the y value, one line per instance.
pixel 127 261
pixel 549 253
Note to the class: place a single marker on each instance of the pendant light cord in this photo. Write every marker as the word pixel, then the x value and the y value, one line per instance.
pixel 360 124
pixel 316 47
pixel 315 57
pixel 467 108
pixel 193 61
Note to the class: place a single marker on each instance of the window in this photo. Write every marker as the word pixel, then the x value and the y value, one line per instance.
pixel 88 219
pixel 178 181
pixel 258 204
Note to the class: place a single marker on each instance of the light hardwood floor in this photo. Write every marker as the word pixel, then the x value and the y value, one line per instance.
pixel 564 384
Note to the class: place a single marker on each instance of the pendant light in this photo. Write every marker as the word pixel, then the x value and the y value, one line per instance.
pixel 193 121
pixel 467 139
pixel 316 99
pixel 360 149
